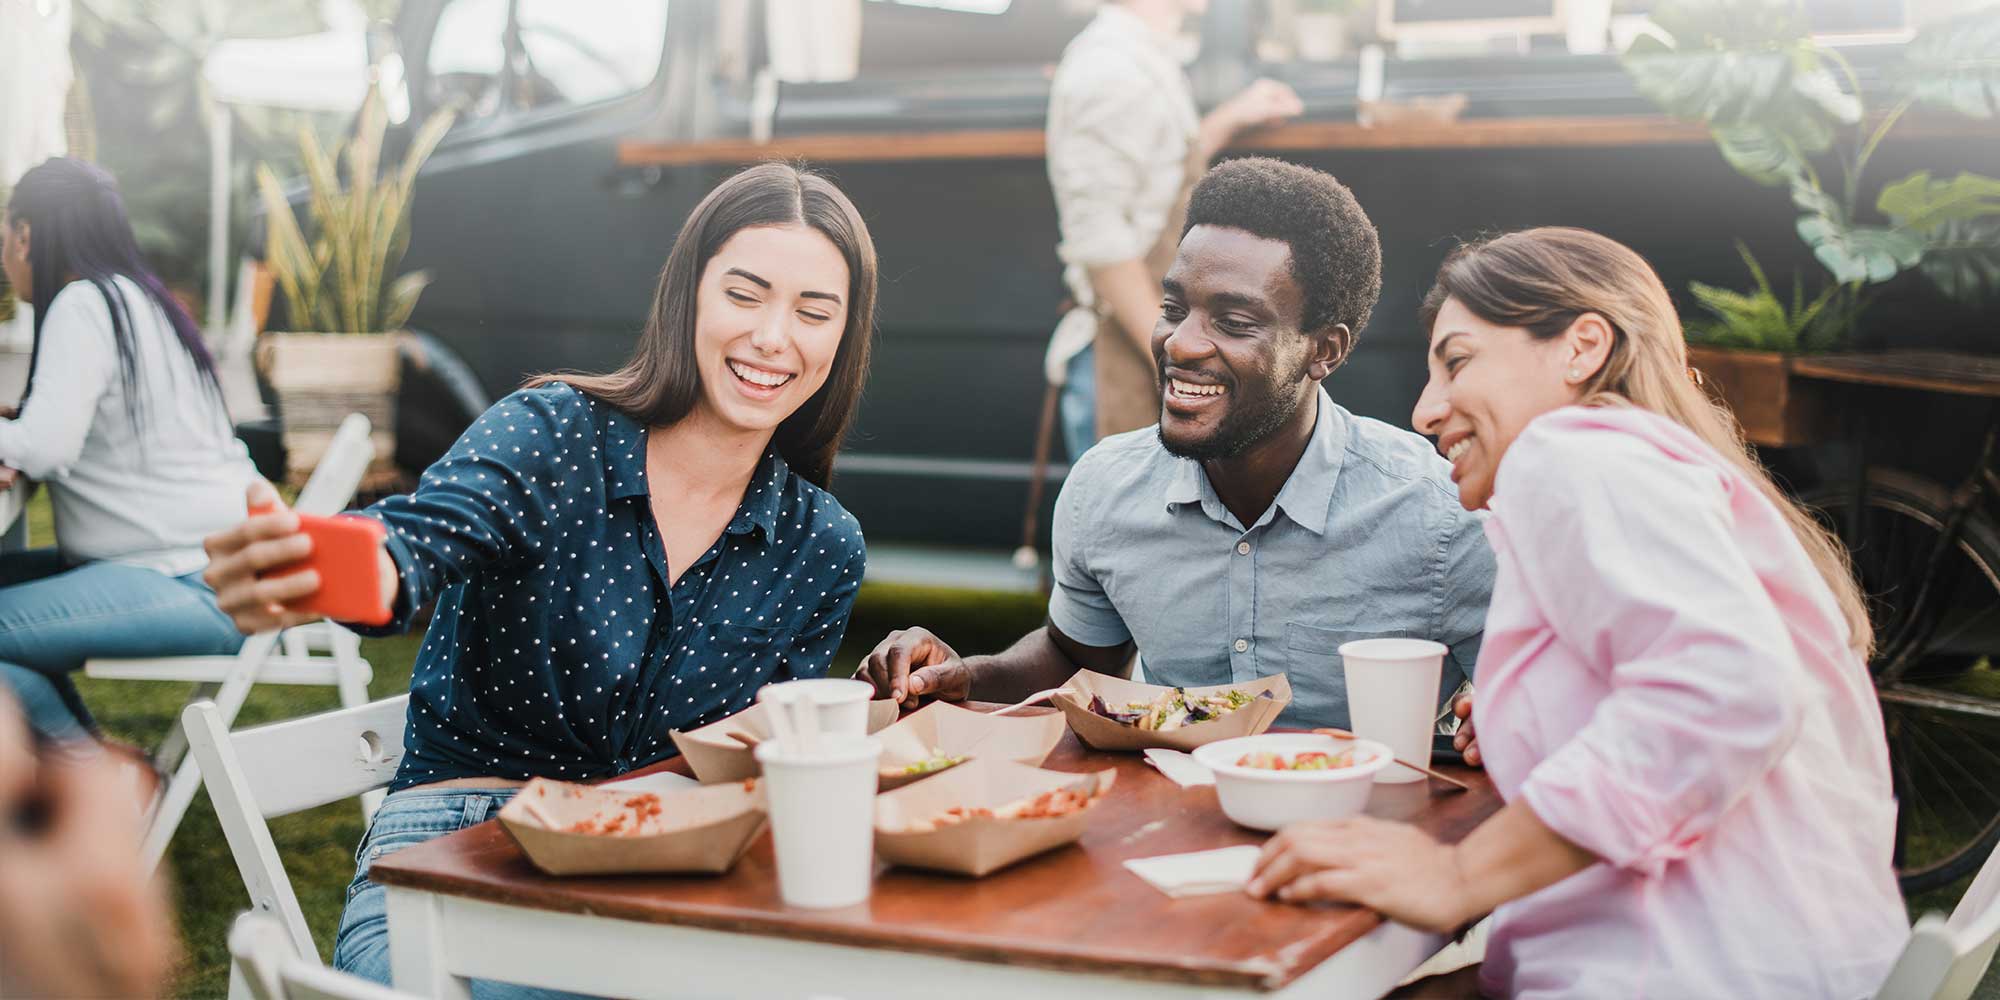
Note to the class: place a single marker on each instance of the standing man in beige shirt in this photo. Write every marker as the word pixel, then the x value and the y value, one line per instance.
pixel 1125 145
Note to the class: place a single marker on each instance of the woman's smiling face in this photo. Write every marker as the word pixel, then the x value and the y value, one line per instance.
pixel 769 315
pixel 1487 382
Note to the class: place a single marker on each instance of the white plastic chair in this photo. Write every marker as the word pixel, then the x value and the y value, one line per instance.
pixel 283 768
pixel 290 657
pixel 1946 957
pixel 263 966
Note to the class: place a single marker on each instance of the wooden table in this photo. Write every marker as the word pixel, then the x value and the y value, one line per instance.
pixel 1072 922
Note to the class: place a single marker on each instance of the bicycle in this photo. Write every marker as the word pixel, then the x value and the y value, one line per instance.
pixel 1928 557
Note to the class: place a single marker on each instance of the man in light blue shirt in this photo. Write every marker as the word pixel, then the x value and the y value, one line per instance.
pixel 1259 525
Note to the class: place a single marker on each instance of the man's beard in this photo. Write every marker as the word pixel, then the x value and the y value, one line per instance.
pixel 1257 411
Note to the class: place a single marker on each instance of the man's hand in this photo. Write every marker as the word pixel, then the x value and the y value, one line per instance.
pixel 1394 869
pixel 913 662
pixel 1466 740
pixel 8 477
pixel 80 914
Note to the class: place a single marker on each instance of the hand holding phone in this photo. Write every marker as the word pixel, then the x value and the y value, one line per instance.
pixel 346 554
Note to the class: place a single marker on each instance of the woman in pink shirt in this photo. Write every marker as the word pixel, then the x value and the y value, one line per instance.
pixel 1673 692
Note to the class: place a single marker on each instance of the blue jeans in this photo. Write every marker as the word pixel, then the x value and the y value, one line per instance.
pixel 408 818
pixel 1079 403
pixel 54 616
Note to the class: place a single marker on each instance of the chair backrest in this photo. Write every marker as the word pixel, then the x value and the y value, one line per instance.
pixel 1946 958
pixel 280 769
pixel 338 474
pixel 265 967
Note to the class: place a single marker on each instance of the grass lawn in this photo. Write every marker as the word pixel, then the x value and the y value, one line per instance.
pixel 318 846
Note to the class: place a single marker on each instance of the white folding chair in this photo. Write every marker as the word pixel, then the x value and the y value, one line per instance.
pixel 279 769
pixel 263 966
pixel 1946 958
pixel 267 657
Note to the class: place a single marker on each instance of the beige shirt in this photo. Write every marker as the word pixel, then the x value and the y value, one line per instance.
pixel 1122 120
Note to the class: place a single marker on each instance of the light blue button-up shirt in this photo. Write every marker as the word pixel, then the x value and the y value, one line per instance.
pixel 1365 539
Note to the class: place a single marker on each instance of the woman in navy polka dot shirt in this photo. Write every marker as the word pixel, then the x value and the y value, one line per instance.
pixel 616 556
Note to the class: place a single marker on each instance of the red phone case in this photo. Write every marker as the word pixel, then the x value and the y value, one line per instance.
pixel 344 555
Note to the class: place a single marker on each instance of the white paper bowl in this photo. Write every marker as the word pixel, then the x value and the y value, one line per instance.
pixel 1269 800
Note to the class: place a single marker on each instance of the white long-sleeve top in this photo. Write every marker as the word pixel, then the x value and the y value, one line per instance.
pixel 141 492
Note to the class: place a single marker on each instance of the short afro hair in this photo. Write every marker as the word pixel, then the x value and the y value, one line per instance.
pixel 1336 255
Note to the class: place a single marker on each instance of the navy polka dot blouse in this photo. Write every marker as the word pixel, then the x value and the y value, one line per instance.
pixel 557 648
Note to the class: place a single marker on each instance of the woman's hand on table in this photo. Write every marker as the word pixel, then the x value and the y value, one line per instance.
pixel 1394 869
pixel 1466 740
pixel 912 662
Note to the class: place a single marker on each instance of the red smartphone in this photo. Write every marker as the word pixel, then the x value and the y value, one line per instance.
pixel 344 555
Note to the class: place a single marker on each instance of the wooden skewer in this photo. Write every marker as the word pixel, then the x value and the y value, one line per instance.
pixel 1033 699
pixel 1447 779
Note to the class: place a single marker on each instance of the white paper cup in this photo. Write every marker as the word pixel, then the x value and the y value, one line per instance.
pixel 1392 693
pixel 841 705
pixel 822 819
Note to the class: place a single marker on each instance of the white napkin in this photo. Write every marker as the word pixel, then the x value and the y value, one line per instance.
pixel 659 783
pixel 1182 768
pixel 1199 874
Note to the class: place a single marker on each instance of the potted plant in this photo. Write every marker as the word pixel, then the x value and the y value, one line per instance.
pixel 339 288
pixel 1743 349
pixel 1781 107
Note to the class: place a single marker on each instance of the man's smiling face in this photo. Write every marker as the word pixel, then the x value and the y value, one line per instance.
pixel 1234 365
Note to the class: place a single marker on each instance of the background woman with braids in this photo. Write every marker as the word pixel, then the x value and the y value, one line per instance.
pixel 123 422
pixel 1673 692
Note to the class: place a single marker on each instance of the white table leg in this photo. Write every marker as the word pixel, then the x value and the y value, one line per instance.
pixel 417 956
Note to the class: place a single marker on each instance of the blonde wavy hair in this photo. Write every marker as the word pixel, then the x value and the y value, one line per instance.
pixel 1543 279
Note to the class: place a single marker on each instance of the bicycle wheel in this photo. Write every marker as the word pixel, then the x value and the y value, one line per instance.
pixel 1942 715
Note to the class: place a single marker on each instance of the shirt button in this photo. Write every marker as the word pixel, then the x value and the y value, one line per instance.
pixel 1242 644
pixel 1242 548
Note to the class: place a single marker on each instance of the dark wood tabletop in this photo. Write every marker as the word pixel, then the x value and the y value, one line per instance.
pixel 1075 909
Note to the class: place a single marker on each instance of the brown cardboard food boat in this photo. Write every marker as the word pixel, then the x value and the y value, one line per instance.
pixel 914 828
pixel 1109 734
pixel 697 830
pixel 716 754
pixel 946 730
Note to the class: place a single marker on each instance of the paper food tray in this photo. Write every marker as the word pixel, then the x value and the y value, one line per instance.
pixel 980 845
pixel 701 829
pixel 959 732
pixel 715 756
pixel 1106 734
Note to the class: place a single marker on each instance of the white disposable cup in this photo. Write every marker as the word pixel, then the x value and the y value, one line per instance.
pixel 1392 692
pixel 841 705
pixel 822 819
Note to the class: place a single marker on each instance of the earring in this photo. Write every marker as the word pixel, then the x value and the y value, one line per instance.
pixel 1575 375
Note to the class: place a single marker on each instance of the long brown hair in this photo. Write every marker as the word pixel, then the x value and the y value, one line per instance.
pixel 1543 279
pixel 662 381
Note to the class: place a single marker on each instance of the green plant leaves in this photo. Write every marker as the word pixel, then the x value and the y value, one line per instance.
pixel 1742 65
pixel 1955 64
pixel 1963 260
pixel 1958 221
pixel 1918 202
pixel 1865 254
pixel 1758 320
pixel 338 285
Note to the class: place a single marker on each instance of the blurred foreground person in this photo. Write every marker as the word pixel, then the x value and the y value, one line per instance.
pixel 80 914
pixel 1125 145
pixel 617 556
pixel 1673 693
pixel 124 424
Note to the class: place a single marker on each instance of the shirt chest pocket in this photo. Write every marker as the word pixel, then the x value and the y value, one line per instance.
pixel 722 667
pixel 1319 681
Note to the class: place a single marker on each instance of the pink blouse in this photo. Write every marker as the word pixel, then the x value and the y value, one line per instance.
pixel 1666 680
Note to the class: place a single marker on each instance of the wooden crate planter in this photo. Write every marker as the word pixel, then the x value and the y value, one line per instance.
pixel 319 379
pixel 1776 408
